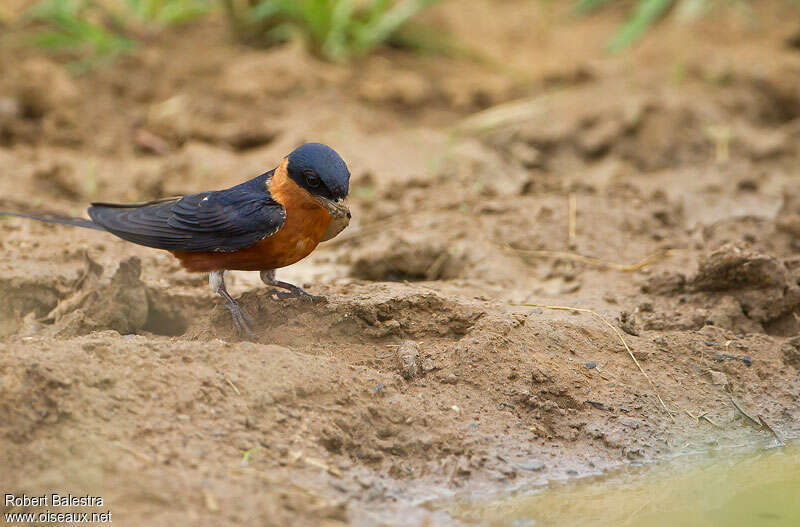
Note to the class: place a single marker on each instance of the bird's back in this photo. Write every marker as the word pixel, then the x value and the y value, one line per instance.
pixel 220 221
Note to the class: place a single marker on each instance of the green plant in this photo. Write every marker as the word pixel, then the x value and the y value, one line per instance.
pixel 94 31
pixel 645 13
pixel 76 26
pixel 337 29
pixel 169 12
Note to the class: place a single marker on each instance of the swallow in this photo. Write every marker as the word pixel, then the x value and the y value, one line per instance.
pixel 268 222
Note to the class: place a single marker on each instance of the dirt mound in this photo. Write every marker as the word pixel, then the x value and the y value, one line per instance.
pixel 362 313
pixel 252 386
pixel 641 129
pixel 791 352
pixel 118 303
pixel 762 286
pixel 735 288
pixel 738 267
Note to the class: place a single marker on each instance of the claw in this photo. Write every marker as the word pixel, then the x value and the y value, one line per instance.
pixel 292 291
pixel 241 320
pixel 302 295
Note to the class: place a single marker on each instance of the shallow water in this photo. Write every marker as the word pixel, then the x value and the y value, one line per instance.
pixel 726 489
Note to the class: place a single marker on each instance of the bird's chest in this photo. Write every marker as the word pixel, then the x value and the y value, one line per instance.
pixel 303 229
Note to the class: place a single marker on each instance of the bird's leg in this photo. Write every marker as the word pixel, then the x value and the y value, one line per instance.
pixel 292 291
pixel 241 320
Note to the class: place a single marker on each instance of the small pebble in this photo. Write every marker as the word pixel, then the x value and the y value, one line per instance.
pixel 449 379
pixel 718 378
pixel 534 465
pixel 408 354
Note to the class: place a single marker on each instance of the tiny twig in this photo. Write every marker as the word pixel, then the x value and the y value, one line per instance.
pixel 573 218
pixel 766 425
pixel 758 421
pixel 503 115
pixel 749 417
pixel 235 389
pixel 210 501
pixel 434 270
pixel 596 262
pixel 299 457
pixel 698 418
pixel 704 416
pixel 133 452
pixel 619 335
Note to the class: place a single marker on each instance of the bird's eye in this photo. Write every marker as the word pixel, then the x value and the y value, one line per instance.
pixel 312 180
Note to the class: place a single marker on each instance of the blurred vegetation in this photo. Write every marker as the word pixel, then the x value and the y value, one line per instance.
pixel 336 29
pixel 76 26
pixel 96 31
pixel 92 31
pixel 169 12
pixel 644 13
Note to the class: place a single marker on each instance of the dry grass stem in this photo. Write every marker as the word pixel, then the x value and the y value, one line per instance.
pixel 619 335
pixel 597 262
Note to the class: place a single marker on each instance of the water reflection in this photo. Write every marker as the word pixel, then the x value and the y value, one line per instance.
pixel 726 489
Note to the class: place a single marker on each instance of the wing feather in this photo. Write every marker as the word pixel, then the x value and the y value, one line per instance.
pixel 224 220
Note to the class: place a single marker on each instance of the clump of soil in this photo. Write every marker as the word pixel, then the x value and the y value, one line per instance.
pixel 737 267
pixel 791 352
pixel 118 303
pixel 757 286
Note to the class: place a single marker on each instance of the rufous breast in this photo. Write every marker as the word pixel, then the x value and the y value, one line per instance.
pixel 304 227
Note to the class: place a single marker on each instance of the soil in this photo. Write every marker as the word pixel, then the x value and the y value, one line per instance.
pixel 424 376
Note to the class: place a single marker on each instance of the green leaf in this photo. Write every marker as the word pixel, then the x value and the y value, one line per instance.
pixel 337 29
pixel 646 13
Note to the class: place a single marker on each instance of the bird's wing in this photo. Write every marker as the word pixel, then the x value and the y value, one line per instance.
pixel 224 220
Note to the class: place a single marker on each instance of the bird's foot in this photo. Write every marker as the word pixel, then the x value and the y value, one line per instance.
pixel 291 290
pixel 296 292
pixel 241 320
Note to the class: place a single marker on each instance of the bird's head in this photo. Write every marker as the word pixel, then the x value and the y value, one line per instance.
pixel 318 169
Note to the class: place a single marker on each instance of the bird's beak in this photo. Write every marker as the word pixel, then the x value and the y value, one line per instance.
pixel 336 208
pixel 340 216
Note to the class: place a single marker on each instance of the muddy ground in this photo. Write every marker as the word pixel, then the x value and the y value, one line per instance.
pixel 422 377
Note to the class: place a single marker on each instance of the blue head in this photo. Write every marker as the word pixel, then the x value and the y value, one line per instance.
pixel 319 169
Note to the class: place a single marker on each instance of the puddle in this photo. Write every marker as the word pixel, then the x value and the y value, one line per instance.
pixel 726 489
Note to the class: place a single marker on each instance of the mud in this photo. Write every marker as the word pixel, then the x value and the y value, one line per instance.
pixel 423 375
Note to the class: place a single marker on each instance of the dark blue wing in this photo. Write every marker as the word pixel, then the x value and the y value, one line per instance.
pixel 223 220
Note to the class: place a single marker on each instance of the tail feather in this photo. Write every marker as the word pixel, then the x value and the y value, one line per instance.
pixel 56 218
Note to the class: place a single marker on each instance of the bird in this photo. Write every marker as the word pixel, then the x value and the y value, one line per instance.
pixel 268 222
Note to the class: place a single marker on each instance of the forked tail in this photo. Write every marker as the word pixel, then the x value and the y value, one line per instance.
pixel 56 218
